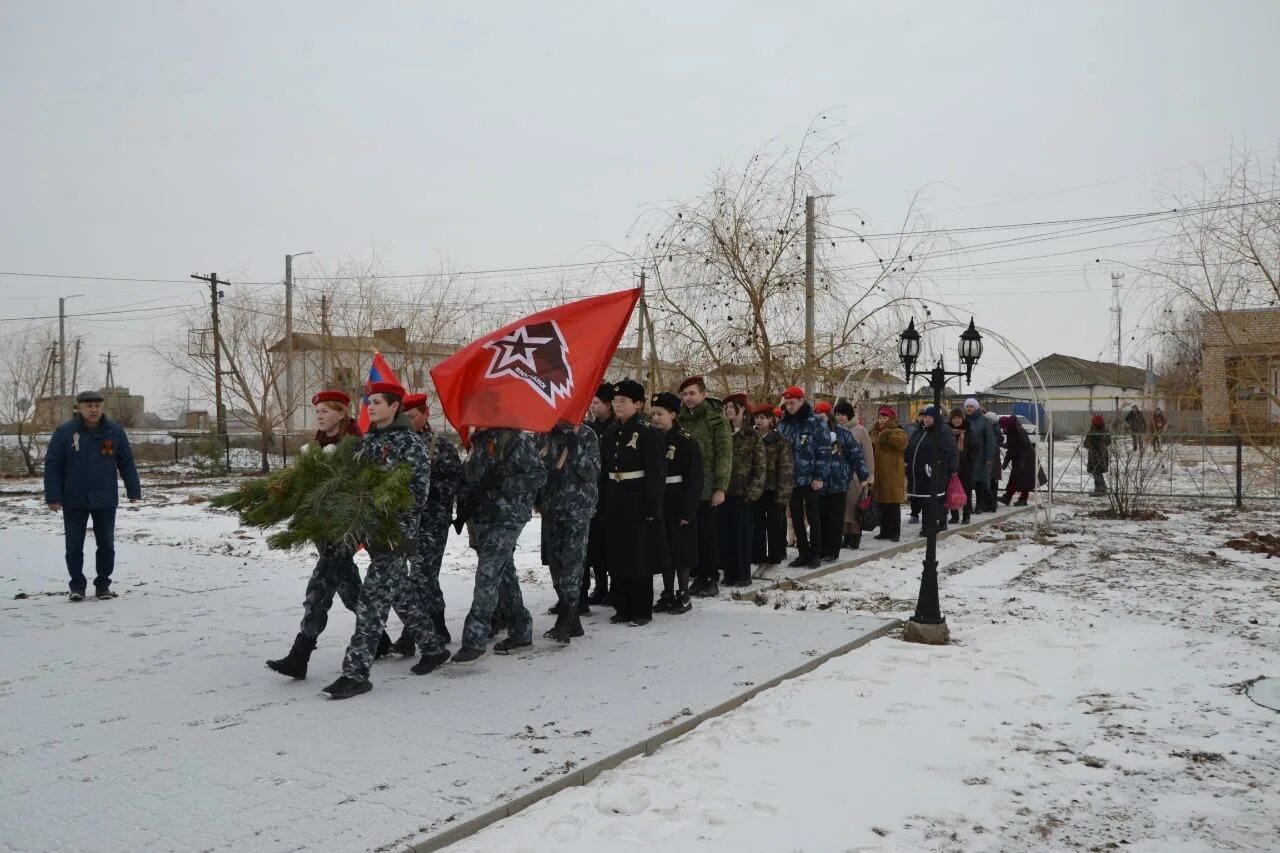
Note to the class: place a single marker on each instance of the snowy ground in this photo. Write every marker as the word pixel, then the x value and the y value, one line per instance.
pixel 150 722
pixel 1091 700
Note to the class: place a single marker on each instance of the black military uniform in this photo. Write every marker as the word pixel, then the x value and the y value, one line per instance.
pixel 679 510
pixel 634 478
pixel 597 556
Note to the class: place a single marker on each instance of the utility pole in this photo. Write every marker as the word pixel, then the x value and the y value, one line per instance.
pixel 641 317
pixel 809 242
pixel 324 330
pixel 288 339
pixel 75 365
pixel 220 414
pixel 62 349
pixel 108 360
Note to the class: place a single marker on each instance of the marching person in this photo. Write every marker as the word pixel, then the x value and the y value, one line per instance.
pixel 889 491
pixel 852 527
pixel 845 474
pixel 702 418
pixel 567 503
pixel 335 572
pixel 931 460
pixel 597 553
pixel 84 457
pixel 769 519
pixel 984 444
pixel 746 483
pixel 391 441
pixel 447 491
pixel 634 472
pixel 679 504
pixel 504 474
pixel 811 456
pixel 1097 444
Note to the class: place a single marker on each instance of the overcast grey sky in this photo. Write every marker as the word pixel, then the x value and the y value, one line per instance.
pixel 158 139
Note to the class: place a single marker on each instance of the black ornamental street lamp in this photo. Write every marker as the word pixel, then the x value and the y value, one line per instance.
pixel 928 625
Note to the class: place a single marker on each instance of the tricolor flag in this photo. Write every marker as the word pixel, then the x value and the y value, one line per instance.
pixel 536 371
pixel 380 371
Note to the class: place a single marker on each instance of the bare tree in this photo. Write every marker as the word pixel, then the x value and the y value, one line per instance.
pixel 729 272
pixel 26 376
pixel 1223 256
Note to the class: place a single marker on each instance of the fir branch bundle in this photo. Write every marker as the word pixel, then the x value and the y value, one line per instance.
pixel 328 496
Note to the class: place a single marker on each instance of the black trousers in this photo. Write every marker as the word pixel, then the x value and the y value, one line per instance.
pixel 735 539
pixel 633 596
pixel 708 541
pixel 768 530
pixel 891 521
pixel 831 507
pixel 805 508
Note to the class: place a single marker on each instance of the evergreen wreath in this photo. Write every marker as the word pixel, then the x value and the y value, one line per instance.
pixel 329 495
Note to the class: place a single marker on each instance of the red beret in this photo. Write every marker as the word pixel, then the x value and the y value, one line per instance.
pixel 822 407
pixel 777 411
pixel 393 388
pixel 1099 420
pixel 888 412
pixel 795 392
pixel 414 401
pixel 740 398
pixel 692 380
pixel 764 409
pixel 330 397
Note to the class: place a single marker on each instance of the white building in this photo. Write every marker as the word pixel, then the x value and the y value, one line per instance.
pixel 1077 388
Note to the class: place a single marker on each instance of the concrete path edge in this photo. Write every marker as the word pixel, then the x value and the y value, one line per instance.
pixel 648 746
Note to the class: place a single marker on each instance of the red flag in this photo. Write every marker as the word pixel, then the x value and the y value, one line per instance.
pixel 536 371
pixel 380 371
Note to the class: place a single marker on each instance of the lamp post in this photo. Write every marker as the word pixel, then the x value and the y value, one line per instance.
pixel 928 625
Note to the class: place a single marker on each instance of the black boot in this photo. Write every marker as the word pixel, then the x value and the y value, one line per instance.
pixel 294 664
pixel 955 516
pixel 1004 499
pixel 855 541
pixel 384 646
pixel 965 516
pixel 345 688
pixel 437 619
pixel 405 647
pixel 429 662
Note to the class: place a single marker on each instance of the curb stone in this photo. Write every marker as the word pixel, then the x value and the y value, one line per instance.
pixel 646 747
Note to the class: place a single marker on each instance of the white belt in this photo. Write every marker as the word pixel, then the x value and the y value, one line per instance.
pixel 678 478
pixel 625 475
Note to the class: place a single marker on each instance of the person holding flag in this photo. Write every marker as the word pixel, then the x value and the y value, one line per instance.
pixel 525 377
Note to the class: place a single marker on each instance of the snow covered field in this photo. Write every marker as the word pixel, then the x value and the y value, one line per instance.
pixel 150 722
pixel 1090 701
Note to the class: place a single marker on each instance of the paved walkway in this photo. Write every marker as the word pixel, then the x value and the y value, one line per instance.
pixel 150 722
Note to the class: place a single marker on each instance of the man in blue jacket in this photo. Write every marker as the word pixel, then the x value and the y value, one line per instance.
pixel 80 467
pixel 811 445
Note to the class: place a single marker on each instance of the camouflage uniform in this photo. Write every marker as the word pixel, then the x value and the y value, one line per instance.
pixel 769 522
pixel 504 473
pixel 335 572
pixel 391 579
pixel 847 469
pixel 746 484
pixel 568 501
pixel 447 489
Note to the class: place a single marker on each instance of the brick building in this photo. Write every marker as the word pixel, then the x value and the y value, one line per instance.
pixel 1240 370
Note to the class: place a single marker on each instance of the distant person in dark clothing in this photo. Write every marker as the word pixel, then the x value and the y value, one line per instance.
pixel 84 457
pixel 1137 424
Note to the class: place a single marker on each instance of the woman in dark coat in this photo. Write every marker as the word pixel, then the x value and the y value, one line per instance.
pixel 931 460
pixel 968 454
pixel 679 504
pixel 634 472
pixel 1098 445
pixel 1020 459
